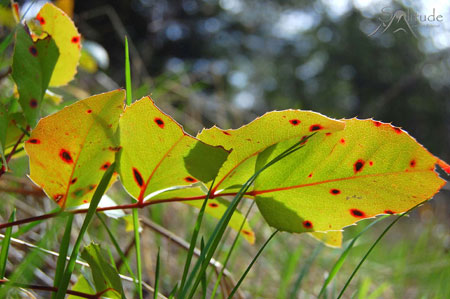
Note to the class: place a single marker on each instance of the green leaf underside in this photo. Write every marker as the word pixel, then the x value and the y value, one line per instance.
pixel 105 276
pixel 156 153
pixel 367 169
pixel 32 67
pixel 70 150
pixel 250 140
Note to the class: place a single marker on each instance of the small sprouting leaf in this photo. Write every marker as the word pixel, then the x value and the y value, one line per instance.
pixel 157 154
pixel 337 179
pixel 61 28
pixel 33 64
pixel 104 274
pixel 71 149
pixel 250 140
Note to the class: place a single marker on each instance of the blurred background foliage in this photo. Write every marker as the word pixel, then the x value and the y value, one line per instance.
pixel 226 62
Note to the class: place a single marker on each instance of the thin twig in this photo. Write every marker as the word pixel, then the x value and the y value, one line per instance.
pixel 3 169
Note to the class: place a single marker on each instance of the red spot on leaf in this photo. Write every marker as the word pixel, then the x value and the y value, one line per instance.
pixel 73 181
pixel 246 232
pixel 376 123
pixel 34 141
pixel 397 130
pixel 40 19
pixel 58 197
pixel 315 127
pixel 303 140
pixel 33 51
pixel 358 166
pixel 310 175
pixel 371 163
pixel 105 166
pixel 138 177
pixel 328 134
pixel 190 179
pixel 213 205
pixel 89 111
pixel 159 122
pixel 75 39
pixel 412 163
pixel 33 103
pixel 357 213
pixel 65 156
pixel 226 133
pixel 295 122
pixel 307 224
pixel 342 141
pixel 335 191
pixel 389 212
pixel 85 201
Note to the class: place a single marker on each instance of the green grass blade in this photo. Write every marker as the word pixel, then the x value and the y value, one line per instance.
pixel 337 266
pixel 137 246
pixel 34 259
pixel 5 245
pixel 289 271
pixel 155 294
pixel 194 237
pixel 238 284
pixel 230 251
pixel 127 73
pixel 305 270
pixel 173 292
pixel 101 189
pixel 117 247
pixel 372 247
pixel 219 230
pixel 203 278
pixel 63 249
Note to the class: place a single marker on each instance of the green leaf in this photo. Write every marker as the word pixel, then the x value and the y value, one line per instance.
pixel 250 140
pixel 369 168
pixel 33 64
pixel 105 276
pixel 157 154
pixel 71 149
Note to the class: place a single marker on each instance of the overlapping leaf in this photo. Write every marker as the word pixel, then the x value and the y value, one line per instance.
pixel 250 140
pixel 70 150
pixel 369 168
pixel 33 64
pixel 157 154
pixel 61 28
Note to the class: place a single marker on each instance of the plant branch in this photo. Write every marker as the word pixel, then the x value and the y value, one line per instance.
pixel 53 289
pixel 3 169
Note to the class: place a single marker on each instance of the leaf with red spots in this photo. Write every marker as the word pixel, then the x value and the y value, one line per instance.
pixel 379 169
pixel 250 140
pixel 33 64
pixel 69 149
pixel 60 27
pixel 157 154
